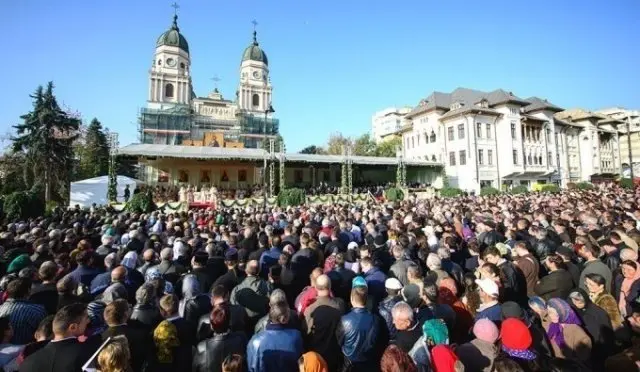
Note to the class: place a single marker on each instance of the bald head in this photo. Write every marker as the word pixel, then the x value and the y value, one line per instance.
pixel 118 274
pixel 148 255
pixel 166 254
pixel 252 268
pixel 323 285
pixel 315 274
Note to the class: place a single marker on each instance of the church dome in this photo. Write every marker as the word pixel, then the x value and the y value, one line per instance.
pixel 173 37
pixel 254 52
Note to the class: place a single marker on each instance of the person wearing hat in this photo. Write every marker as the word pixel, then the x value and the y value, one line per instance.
pixel 234 275
pixel 393 288
pixel 516 343
pixel 596 323
pixel 434 332
pixel 489 308
pixel 478 355
pixel 568 339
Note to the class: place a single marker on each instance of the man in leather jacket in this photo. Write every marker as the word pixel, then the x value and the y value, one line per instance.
pixel 543 245
pixel 393 287
pixel 237 315
pixel 489 236
pixel 211 352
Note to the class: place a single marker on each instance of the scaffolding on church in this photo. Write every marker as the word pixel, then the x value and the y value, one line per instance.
pixel 165 127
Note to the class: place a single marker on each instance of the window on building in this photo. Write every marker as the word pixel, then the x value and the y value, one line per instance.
pixel 159 62
pixel 418 139
pixel 490 157
pixel 182 65
pixel 463 157
pixel 479 130
pixel 550 158
pixel 413 142
pixel 513 131
pixel 407 144
pixel 488 131
pixel 460 131
pixel 452 158
pixel 535 160
pixel 481 157
pixel 548 133
pixel 513 110
pixel 426 138
pixel 433 158
pixel 529 159
pixel 515 157
pixel 433 136
pixel 255 100
pixel 450 133
pixel 539 160
pixel 168 90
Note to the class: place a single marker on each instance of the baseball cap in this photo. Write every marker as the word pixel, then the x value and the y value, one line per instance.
pixel 488 286
pixel 393 283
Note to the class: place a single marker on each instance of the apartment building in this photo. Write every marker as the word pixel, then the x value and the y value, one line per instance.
pixel 387 121
pixel 629 137
pixel 499 139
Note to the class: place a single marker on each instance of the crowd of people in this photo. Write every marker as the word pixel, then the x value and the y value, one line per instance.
pixel 532 282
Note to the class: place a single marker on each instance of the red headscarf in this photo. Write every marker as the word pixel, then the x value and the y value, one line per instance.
pixel 443 359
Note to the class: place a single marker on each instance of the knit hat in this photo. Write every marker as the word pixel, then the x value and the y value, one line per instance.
pixel 19 263
pixel 411 295
pixel 486 330
pixel 511 309
pixel 515 334
pixel 436 331
pixel 358 281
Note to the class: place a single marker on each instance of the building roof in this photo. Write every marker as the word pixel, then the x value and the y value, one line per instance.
pixel 173 37
pixel 579 114
pixel 254 52
pixel 536 104
pixel 467 97
pixel 223 153
pixel 532 118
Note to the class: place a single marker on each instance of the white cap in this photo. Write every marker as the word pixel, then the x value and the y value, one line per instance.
pixel 393 283
pixel 488 286
pixel 352 245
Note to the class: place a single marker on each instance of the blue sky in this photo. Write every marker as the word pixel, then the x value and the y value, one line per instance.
pixel 333 63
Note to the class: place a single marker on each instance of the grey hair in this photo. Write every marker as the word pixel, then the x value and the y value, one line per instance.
pixel 279 313
pixel 434 262
pixel 402 309
pixel 166 254
pixel 146 294
pixel 277 296
pixel 444 253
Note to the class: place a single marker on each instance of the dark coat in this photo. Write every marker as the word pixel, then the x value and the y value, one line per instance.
pixel 598 325
pixel 139 341
pixel 557 284
pixel 196 307
pixel 211 353
pixel 170 270
pixel 47 296
pixel 237 323
pixel 230 279
pixel 62 356
pixel 145 316
pixel 634 291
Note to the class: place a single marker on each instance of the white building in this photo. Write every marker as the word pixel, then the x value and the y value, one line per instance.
pixel 630 138
pixel 498 139
pixel 387 121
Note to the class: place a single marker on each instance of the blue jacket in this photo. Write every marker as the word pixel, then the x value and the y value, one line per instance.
pixel 375 281
pixel 84 275
pixel 269 258
pixel 100 283
pixel 493 313
pixel 357 335
pixel 384 309
pixel 276 349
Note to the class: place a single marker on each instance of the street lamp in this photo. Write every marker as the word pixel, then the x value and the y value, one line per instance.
pixel 268 111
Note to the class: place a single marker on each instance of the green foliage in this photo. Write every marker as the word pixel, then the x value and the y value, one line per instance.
pixel 93 154
pixel 550 187
pixel 46 138
pixel 291 197
pixel 519 190
pixel 21 205
pixel 112 188
pixel 584 186
pixel 141 202
pixel 50 207
pixel 571 186
pixel 364 146
pixel 313 149
pixel 449 192
pixel 337 142
pixel 394 194
pixel 626 183
pixel 388 148
pixel 485 191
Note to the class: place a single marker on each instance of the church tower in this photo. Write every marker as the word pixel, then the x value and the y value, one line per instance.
pixel 254 92
pixel 170 75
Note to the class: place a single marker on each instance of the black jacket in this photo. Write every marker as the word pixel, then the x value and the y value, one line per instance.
pixel 237 323
pixel 211 353
pixel 196 307
pixel 557 284
pixel 62 356
pixel 145 316
pixel 170 271
pixel 543 248
pixel 515 284
pixel 344 290
pixel 139 341
pixel 216 268
pixel 598 325
pixel 489 239
pixel 47 296
pixel 231 279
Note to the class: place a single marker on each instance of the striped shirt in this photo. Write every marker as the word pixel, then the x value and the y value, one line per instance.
pixel 25 317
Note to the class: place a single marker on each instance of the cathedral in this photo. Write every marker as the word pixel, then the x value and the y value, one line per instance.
pixel 175 115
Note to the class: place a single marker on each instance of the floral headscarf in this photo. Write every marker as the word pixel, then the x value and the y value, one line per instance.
pixel 165 336
pixel 566 315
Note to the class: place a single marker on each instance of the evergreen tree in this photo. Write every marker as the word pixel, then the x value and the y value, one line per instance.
pixel 94 154
pixel 46 137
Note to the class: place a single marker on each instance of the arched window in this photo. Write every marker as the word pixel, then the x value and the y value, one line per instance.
pixel 159 62
pixel 182 65
pixel 168 90
pixel 255 100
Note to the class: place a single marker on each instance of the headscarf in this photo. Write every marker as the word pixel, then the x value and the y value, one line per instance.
pixel 190 290
pixel 435 330
pixel 566 315
pixel 313 362
pixel 165 336
pixel 114 292
pixel 19 263
pixel 626 287
pixel 443 359
pixel 516 339
pixel 130 260
pixel 536 301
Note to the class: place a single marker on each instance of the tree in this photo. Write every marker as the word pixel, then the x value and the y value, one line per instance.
pixel 276 145
pixel 313 149
pixel 364 146
pixel 389 147
pixel 46 137
pixel 337 142
pixel 94 153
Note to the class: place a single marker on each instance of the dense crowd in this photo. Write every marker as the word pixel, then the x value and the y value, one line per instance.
pixel 535 282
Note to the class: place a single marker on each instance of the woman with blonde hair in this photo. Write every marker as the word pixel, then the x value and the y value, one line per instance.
pixel 115 357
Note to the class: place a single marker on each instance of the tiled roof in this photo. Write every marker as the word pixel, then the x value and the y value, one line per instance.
pixel 536 103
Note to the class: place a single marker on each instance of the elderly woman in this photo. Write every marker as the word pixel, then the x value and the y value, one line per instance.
pixel 194 303
pixel 596 284
pixel 146 313
pixel 568 339
pixel 596 322
pixel 627 286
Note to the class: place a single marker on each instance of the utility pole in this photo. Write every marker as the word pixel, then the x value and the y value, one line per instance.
pixel 629 146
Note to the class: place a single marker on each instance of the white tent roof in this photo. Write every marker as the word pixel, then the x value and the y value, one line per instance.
pixel 94 190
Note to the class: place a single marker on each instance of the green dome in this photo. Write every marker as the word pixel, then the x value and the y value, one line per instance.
pixel 254 52
pixel 173 37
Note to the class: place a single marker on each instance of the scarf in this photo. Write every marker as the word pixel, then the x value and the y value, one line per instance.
pixel 566 315
pixel 313 362
pixel 443 359
pixel 520 354
pixel 165 337
pixel 625 288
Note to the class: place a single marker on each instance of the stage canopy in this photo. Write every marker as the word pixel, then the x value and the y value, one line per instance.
pixel 94 190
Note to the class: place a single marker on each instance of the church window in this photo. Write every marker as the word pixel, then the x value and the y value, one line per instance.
pixel 255 100
pixel 168 90
pixel 182 65
pixel 159 62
